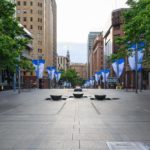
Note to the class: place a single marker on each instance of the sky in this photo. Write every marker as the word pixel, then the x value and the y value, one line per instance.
pixel 76 18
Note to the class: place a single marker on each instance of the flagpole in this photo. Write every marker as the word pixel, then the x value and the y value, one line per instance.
pixel 38 73
pixel 136 68
pixel 19 78
pixel 117 71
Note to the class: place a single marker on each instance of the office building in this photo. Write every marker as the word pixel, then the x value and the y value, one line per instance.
pixel 39 17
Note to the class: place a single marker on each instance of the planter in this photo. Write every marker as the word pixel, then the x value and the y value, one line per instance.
pixel 78 95
pixel 77 90
pixel 56 97
pixel 100 97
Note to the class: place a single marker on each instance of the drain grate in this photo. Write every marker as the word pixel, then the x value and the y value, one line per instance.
pixel 126 146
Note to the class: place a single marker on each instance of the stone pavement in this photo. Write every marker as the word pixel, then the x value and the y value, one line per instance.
pixel 29 122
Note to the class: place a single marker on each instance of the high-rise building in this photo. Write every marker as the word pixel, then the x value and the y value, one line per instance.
pixel 91 38
pixel 97 54
pixel 39 17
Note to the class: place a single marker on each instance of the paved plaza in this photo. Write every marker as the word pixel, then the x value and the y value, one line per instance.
pixel 29 122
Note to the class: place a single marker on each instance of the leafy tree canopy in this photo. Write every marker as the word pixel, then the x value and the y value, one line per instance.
pixel 71 76
pixel 136 27
pixel 12 42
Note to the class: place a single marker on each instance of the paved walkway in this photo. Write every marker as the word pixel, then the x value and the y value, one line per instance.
pixel 29 122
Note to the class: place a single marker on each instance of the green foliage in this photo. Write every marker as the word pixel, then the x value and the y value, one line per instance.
pixel 12 42
pixel 71 76
pixel 136 27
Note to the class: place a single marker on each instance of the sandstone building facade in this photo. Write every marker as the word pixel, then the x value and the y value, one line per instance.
pixel 39 17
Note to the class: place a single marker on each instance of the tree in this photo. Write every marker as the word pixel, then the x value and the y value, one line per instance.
pixel 136 27
pixel 12 43
pixel 71 76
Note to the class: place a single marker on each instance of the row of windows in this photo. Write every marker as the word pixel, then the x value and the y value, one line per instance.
pixel 28 11
pixel 25 3
pixel 25 19
pixel 31 19
pixel 31 27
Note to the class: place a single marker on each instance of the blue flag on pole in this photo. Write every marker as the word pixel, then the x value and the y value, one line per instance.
pixel 132 58
pixel 118 66
pixel 39 67
pixel 105 74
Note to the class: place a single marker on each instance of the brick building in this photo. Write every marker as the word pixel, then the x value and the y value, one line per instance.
pixel 97 54
pixel 80 68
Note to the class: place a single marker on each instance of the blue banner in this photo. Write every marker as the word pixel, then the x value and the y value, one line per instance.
pixel 39 67
pixel 118 67
pixel 97 77
pixel 132 57
pixel 57 75
pixel 105 74
pixel 51 72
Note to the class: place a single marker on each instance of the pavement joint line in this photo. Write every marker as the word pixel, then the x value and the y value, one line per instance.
pixel 61 108
pixel 95 108
pixel 9 110
pixel 79 145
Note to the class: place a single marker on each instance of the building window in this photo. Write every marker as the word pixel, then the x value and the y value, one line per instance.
pixel 39 42
pixel 18 3
pixel 31 3
pixel 18 11
pixel 39 27
pixel 24 11
pixel 24 19
pixel 31 11
pixel 31 19
pixel 40 20
pixel 25 26
pixel 40 12
pixel 40 4
pixel 39 50
pixel 31 26
pixel 24 3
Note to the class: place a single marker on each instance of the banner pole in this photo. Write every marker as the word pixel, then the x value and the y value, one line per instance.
pixel 136 68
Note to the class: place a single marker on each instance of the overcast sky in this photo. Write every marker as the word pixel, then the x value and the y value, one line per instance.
pixel 76 18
